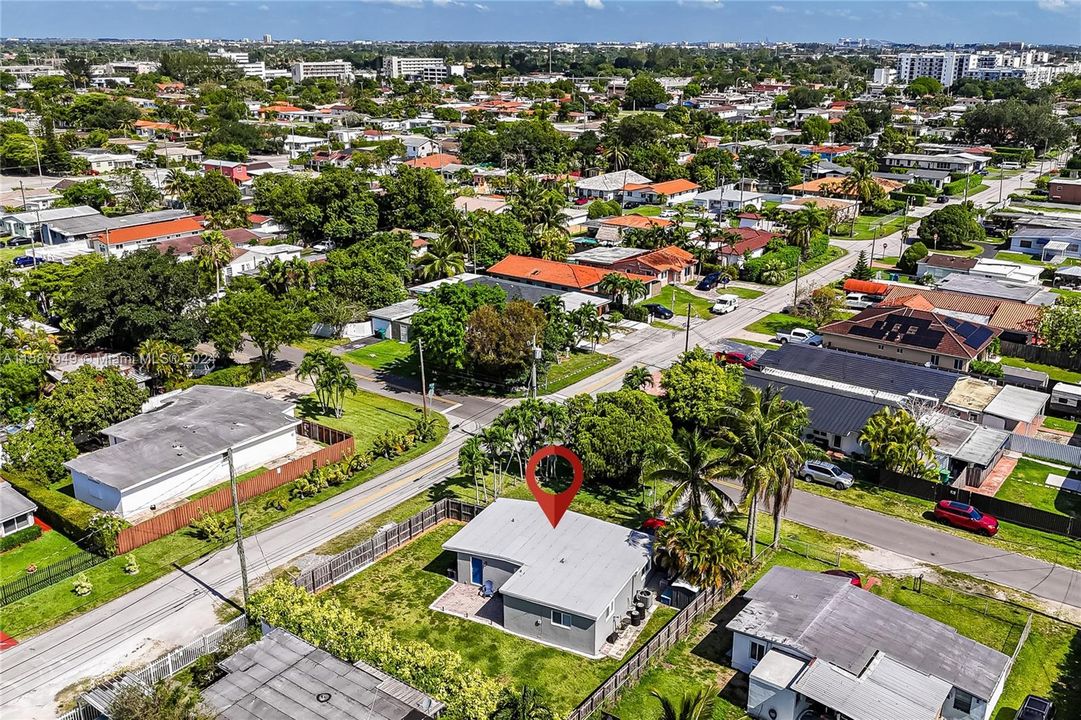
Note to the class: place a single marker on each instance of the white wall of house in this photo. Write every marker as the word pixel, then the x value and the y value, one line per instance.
pixel 15 524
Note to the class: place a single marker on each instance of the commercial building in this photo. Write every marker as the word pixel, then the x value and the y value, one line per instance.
pixel 420 69
pixel 339 70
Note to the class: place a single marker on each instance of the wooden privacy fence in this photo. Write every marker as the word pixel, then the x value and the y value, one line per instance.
pixel 632 670
pixel 1041 354
pixel 338 445
pixel 360 556
pixel 1001 509
pixel 47 575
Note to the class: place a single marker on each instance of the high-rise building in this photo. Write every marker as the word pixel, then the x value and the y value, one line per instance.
pixel 946 67
pixel 268 39
pixel 337 69
pixel 411 68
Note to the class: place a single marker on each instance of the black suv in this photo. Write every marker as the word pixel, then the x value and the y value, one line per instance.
pixel 1036 708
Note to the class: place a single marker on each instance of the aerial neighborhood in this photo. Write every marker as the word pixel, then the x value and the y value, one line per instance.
pixel 674 379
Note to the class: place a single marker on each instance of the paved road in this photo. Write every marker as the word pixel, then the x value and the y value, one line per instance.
pixel 179 607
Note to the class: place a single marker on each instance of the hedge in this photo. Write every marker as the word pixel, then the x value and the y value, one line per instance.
pixel 917 199
pixel 19 538
pixel 63 512
pixel 232 376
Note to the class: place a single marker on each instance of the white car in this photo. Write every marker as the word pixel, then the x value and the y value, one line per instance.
pixel 669 213
pixel 827 473
pixel 324 246
pixel 859 301
pixel 725 304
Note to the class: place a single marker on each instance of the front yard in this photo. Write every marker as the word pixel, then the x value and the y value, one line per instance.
pixel 868 227
pixel 381 354
pixel 574 368
pixel 367 415
pixel 1026 485
pixel 779 322
pixel 676 299
pixel 50 548
pixel 396 592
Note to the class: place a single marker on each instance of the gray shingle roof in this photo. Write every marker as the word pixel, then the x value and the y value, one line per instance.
pixel 830 410
pixel 281 677
pixel 13 503
pixel 828 618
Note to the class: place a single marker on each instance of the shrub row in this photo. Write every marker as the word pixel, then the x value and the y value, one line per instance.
pixel 21 537
pixel 232 376
pixel 916 199
pixel 63 512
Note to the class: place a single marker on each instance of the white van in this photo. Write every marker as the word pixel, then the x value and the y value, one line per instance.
pixel 1011 166
pixel 725 304
pixel 859 301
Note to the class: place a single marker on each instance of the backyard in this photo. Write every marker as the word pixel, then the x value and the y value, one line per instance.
pixel 51 547
pixel 396 592
pixel 380 354
pixel 1055 373
pixel 1027 485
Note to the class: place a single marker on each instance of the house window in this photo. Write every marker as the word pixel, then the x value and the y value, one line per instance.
pixel 958 364
pixel 934 359
pixel 561 619
pixel 962 701
pixel 758 651
pixel 1026 243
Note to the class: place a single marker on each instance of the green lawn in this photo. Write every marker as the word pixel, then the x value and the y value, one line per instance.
pixel 575 367
pixel 367 415
pixel 318 343
pixel 699 305
pixel 380 354
pixel 740 292
pixel 779 322
pixel 1063 424
pixel 968 251
pixel 1026 485
pixel 51 547
pixel 1017 257
pixel 832 253
pixel 866 226
pixel 1066 293
pixel 1055 373
pixel 755 343
pixel 646 210
pixel 56 603
pixel 7 254
pixel 395 594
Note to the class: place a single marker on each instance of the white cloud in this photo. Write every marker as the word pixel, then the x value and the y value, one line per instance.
pixel 1058 5
pixel 917 5
pixel 264 8
pixel 595 4
pixel 481 7
pixel 778 8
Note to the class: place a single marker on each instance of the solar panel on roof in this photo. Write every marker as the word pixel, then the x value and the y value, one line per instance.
pixel 978 338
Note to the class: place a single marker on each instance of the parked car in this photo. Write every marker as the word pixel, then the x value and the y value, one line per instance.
pixel 709 281
pixel 801 336
pixel 325 246
pixel 25 261
pixel 581 201
pixel 725 304
pixel 965 516
pixel 669 213
pixel 653 524
pixel 659 311
pixel 942 199
pixel 858 301
pixel 736 358
pixel 1035 708
pixel 826 473
pixel 853 577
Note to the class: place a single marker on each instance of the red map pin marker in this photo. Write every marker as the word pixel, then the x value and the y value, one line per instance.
pixel 554 505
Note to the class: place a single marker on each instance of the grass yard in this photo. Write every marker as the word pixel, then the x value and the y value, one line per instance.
pixel 866 225
pixel 779 322
pixel 811 264
pixel 574 368
pixel 676 298
pixel 968 251
pixel 1055 373
pixel 57 603
pixel 1017 257
pixel 1027 485
pixel 380 354
pixel 740 292
pixel 395 594
pixel 366 415
pixel 756 343
pixel 8 254
pixel 1062 424
pixel 1066 293
pixel 318 343
pixel 51 547
pixel 646 211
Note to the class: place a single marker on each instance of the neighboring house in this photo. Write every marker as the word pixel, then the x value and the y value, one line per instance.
pixel 235 171
pixel 494 204
pixel 832 186
pixel 26 225
pixel 1018 321
pixel 282 677
pixel 671 264
pixel 86 228
pixel 566 586
pixel 102 163
pixel 436 161
pixel 175 451
pixel 913 336
pixel 939 266
pixel 16 510
pixel 1065 190
pixel 725 199
pixel 966 452
pixel 984 287
pixel 175 155
pixel 608 186
pixel 418 146
pixel 561 275
pixel 999 407
pixel 129 239
pixel 1052 245
pixel 847 210
pixel 1006 271
pixel 393 321
pixel 297 145
pixel 815 642
pixel 955 163
pixel 751 243
pixel 669 192
pixel 1066 399
pixel 612 229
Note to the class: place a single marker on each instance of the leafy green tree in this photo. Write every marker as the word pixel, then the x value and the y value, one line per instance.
pixel 214 254
pixel 167 700
pixel 369 276
pixel 45 448
pixel 20 383
pixel 1014 123
pixel 94 193
pixel 89 399
pixel 953 227
pixel 1060 325
pixel 19 153
pixel 413 198
pixel 690 468
pixel 696 389
pixel 815 130
pixel 922 86
pixel 269 321
pixel 499 341
pixel 896 441
pixel 210 192
pixel 614 432
pixel 165 361
pixel 700 553
pixel 852 128
pixel 643 93
pixel 911 257
pixel 340 207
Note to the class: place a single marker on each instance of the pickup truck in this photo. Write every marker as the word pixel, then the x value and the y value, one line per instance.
pixel 802 336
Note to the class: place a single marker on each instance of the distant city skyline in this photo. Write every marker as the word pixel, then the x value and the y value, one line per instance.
pixel 581 21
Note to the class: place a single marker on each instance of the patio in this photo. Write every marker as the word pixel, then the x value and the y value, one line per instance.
pixel 465 601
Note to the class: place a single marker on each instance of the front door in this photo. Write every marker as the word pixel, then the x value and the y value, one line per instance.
pixel 476 567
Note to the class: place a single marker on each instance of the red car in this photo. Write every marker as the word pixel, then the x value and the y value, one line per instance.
pixel 654 524
pixel 736 358
pixel 966 517
pixel 581 201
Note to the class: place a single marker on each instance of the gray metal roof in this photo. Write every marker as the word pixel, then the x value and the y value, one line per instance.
pixel 1017 403
pixel 33 216
pixel 830 410
pixel 612 181
pixel 397 311
pixel 579 566
pixel 972 285
pixel 13 503
pixel 862 370
pixel 887 691
pixel 199 422
pixel 965 441
pixel 281 677
pixel 606 255
pixel 828 618
pixel 99 223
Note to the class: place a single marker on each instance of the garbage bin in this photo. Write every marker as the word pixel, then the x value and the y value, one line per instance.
pixel 636 618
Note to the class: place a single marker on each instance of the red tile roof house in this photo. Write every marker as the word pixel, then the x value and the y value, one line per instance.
pixel 669 192
pixel 561 275
pixel 125 240
pixel 670 264
pixel 235 171
pixel 751 244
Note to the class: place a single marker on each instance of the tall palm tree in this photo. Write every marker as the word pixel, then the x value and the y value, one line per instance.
pixel 164 360
pixel 614 154
pixel 176 182
pixel 598 329
pixel 692 706
pixel 635 290
pixel 497 441
pixel 524 705
pixel 214 254
pixel 690 465
pixel 705 556
pixel 803 225
pixel 275 276
pixel 473 461
pixel 335 382
pixel 762 436
pixel 614 285
pixel 862 184
pixel 637 378
pixel 443 259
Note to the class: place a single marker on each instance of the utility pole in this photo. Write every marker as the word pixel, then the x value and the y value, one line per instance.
pixel 239 527
pixel 533 366
pixel 687 334
pixel 423 378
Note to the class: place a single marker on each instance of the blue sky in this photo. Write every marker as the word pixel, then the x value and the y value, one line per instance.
pixel 918 21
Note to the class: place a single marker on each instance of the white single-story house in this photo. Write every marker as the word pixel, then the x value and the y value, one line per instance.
pixel 609 186
pixel 1066 398
pixel 297 145
pixel 565 586
pixel 815 645
pixel 1048 244
pixel 724 199
pixel 180 448
pixel 669 192
pixel 16 510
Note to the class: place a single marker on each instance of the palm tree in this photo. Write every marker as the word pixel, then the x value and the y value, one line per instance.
pixel 635 290
pixel 213 255
pixel 705 556
pixel 861 183
pixel 597 329
pixel 803 225
pixel 614 285
pixel 637 378
pixel 300 273
pixel 176 182
pixel 762 436
pixel 897 442
pixel 442 260
pixel 692 706
pixel 474 462
pixel 331 378
pixel 690 465
pixel 614 154
pixel 275 276
pixel 524 705
pixel 164 360
pixel 497 440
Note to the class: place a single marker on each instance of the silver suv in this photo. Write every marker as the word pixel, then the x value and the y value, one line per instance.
pixel 826 473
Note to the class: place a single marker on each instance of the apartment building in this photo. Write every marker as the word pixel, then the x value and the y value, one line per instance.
pixel 946 67
pixel 336 69
pixel 422 69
